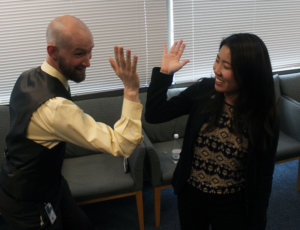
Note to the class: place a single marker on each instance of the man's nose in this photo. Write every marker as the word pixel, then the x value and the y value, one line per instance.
pixel 87 60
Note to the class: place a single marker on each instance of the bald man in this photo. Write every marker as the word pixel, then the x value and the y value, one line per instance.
pixel 33 193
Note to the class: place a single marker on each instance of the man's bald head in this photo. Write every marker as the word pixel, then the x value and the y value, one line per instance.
pixel 69 47
pixel 64 30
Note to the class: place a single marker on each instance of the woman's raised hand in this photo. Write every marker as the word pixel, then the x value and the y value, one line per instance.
pixel 170 62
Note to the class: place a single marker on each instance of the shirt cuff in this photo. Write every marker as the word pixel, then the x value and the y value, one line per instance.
pixel 132 109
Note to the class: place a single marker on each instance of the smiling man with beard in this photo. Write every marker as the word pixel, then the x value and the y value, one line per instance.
pixel 33 193
pixel 70 47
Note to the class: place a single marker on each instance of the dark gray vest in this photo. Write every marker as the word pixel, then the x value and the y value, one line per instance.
pixel 31 171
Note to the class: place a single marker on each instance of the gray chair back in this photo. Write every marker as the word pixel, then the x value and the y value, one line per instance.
pixel 4 128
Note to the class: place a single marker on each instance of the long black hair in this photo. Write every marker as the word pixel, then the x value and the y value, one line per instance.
pixel 255 107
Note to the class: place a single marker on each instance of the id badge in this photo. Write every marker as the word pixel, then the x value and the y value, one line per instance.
pixel 50 212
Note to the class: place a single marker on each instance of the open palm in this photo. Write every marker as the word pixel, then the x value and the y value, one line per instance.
pixel 171 60
pixel 125 69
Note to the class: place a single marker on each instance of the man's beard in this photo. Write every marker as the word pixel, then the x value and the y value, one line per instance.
pixel 70 72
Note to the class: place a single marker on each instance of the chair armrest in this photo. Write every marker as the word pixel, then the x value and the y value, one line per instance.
pixel 136 165
pixel 289 112
pixel 152 162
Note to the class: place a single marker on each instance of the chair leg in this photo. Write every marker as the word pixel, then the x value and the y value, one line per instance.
pixel 140 209
pixel 298 179
pixel 157 206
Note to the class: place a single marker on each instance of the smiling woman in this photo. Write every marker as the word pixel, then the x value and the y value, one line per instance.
pixel 224 175
pixel 225 82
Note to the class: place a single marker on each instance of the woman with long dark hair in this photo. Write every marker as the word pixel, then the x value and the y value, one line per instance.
pixel 224 175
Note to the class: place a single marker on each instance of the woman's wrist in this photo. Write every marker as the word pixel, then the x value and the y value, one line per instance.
pixel 165 71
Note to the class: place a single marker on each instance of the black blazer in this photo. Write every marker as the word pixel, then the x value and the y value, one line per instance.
pixel 192 101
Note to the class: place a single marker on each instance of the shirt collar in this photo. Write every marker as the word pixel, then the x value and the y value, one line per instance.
pixel 54 73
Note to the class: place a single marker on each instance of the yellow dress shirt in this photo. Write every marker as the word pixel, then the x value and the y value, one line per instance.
pixel 59 119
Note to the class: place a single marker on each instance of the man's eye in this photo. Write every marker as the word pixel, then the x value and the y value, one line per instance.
pixel 79 54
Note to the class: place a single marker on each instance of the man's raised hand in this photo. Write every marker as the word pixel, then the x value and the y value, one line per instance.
pixel 126 71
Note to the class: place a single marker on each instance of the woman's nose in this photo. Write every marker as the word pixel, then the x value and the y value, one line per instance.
pixel 217 68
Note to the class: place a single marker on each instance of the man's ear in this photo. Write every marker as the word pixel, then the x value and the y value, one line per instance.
pixel 52 51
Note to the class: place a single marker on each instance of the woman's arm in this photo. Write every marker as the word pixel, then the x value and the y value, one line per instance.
pixel 158 108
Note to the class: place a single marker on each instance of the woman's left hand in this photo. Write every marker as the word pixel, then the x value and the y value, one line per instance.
pixel 170 62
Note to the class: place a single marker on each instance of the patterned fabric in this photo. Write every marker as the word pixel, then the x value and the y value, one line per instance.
pixel 219 161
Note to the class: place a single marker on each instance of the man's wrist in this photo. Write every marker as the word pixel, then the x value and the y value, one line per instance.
pixel 132 95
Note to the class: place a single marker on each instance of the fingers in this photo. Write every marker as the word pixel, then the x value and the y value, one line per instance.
pixel 181 50
pixel 113 64
pixel 128 59
pixel 184 62
pixel 135 60
pixel 165 49
pixel 121 63
pixel 178 46
pixel 122 59
pixel 172 50
pixel 117 57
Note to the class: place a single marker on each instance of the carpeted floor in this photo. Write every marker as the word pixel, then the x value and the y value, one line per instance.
pixel 120 214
